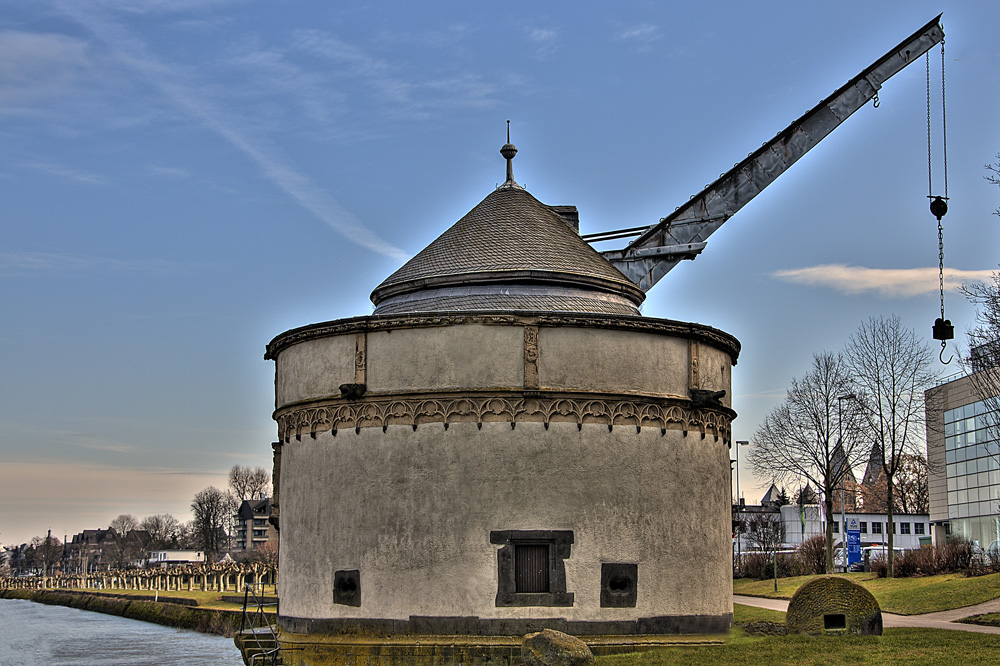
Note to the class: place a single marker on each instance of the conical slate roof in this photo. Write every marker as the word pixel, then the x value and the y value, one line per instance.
pixel 510 252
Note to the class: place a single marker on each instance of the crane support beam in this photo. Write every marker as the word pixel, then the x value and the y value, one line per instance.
pixel 693 222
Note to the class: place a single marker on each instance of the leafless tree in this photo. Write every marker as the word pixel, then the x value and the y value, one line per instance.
pixel 891 368
pixel 764 531
pixel 982 364
pixel 163 530
pixel 124 524
pixel 910 494
pixel 993 175
pixel 46 553
pixel 801 437
pixel 214 512
pixel 249 482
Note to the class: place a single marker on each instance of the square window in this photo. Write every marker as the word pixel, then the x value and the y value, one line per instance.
pixel 876 528
pixel 618 585
pixel 864 527
pixel 836 528
pixel 918 528
pixel 904 528
pixel 530 567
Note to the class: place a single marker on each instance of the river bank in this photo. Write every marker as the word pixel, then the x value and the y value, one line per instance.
pixel 167 613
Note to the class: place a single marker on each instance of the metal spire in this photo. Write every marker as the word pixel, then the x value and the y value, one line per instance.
pixel 508 151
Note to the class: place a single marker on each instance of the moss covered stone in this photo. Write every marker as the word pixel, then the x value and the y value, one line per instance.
pixel 834 605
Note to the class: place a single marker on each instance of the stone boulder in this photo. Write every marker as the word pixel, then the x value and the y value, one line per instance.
pixel 554 648
pixel 833 605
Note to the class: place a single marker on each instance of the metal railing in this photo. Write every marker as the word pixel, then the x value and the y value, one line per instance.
pixel 258 635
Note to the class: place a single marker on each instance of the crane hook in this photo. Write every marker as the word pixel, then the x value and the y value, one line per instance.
pixel 941 355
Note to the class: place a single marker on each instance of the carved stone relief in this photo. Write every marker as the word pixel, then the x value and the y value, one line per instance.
pixel 513 408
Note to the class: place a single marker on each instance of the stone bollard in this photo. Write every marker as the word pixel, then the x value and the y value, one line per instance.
pixel 554 648
pixel 833 605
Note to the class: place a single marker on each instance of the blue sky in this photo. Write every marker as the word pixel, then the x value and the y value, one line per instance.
pixel 182 180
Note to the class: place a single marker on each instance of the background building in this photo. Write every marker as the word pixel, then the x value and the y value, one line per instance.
pixel 962 454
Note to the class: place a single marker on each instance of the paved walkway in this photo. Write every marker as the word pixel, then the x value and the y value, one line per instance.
pixel 940 620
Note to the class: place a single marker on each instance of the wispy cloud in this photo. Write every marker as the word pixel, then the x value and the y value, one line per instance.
pixel 173 83
pixel 169 172
pixel 544 40
pixel 641 36
pixel 69 173
pixel 95 442
pixel 885 282
pixel 36 66
pixel 53 262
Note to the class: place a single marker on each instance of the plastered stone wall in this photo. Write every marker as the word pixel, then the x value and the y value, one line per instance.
pixel 413 511
pixel 474 424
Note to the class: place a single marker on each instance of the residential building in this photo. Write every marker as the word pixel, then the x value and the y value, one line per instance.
pixel 253 529
pixel 168 558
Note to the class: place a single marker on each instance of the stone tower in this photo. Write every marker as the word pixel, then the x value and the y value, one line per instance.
pixel 504 445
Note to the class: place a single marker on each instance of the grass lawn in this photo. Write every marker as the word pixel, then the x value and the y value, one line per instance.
pixel 905 596
pixel 211 599
pixel 906 647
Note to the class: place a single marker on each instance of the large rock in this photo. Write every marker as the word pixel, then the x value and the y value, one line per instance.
pixel 554 648
pixel 833 605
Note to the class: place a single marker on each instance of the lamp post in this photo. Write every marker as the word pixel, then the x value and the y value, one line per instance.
pixel 739 543
pixel 843 475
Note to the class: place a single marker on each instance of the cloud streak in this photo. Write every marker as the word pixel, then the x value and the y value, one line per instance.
pixel 274 165
pixel 884 282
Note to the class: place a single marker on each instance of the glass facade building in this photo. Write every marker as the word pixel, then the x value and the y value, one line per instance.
pixel 964 458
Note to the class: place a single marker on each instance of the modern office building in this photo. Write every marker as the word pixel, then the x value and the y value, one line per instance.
pixel 963 455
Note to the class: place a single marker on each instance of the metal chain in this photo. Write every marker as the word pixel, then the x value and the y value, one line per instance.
pixel 930 182
pixel 941 265
pixel 944 125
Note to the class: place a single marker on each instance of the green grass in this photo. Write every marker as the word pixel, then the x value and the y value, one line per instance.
pixel 212 599
pixel 905 596
pixel 744 614
pixel 905 647
pixel 986 619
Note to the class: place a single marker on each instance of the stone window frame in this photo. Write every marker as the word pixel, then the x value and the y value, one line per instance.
pixel 559 543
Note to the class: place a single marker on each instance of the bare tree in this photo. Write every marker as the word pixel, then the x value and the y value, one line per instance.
pixel 214 512
pixel 249 482
pixel 163 530
pixel 982 365
pixel 993 175
pixel 891 368
pixel 46 553
pixel 124 524
pixel 910 494
pixel 764 531
pixel 801 437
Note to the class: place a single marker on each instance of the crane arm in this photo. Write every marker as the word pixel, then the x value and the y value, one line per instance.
pixel 683 233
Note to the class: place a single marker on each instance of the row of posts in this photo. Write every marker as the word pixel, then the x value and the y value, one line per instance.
pixel 149 579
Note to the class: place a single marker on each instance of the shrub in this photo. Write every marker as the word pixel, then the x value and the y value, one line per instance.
pixel 957 554
pixel 812 555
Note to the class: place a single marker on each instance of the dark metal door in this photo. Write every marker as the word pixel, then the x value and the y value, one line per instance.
pixel 531 568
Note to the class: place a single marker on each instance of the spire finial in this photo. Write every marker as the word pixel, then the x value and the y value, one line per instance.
pixel 508 151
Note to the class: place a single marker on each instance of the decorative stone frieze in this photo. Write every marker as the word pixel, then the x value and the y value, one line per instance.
pixel 415 411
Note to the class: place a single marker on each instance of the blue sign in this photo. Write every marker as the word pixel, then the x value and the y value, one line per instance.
pixel 853 542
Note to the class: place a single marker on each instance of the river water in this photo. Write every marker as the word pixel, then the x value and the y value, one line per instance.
pixel 38 635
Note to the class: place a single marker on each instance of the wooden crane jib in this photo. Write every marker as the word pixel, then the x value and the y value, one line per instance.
pixel 683 234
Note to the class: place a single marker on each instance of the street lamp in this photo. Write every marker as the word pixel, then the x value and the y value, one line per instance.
pixel 739 543
pixel 843 476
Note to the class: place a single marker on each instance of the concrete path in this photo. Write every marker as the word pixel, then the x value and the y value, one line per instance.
pixel 939 620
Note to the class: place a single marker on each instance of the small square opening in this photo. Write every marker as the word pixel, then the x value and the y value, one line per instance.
pixel 835 621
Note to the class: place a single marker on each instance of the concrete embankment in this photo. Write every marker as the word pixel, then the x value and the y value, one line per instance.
pixel 205 620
